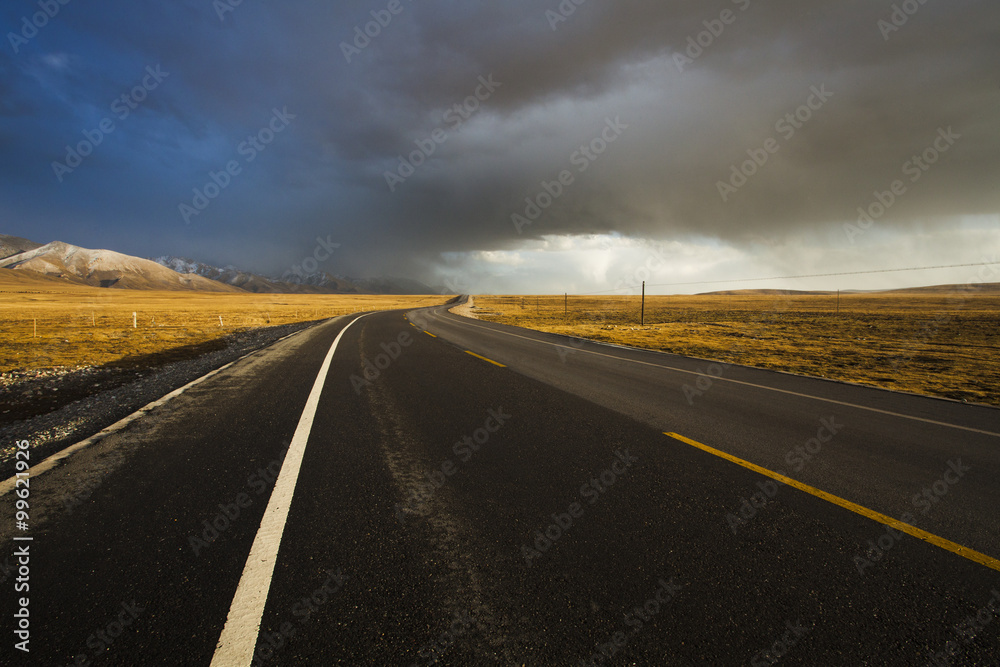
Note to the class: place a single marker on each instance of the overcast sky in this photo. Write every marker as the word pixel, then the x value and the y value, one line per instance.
pixel 696 141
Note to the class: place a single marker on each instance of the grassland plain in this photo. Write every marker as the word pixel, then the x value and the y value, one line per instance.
pixel 940 343
pixel 47 323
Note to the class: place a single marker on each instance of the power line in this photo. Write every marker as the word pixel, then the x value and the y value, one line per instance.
pixel 811 275
pixel 828 275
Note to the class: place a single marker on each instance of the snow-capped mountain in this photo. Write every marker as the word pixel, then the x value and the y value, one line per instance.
pixel 106 268
pixel 289 283
pixel 228 275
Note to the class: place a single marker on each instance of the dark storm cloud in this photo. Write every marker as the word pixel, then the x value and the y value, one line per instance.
pixel 892 89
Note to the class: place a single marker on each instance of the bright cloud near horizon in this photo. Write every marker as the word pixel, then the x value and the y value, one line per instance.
pixel 516 147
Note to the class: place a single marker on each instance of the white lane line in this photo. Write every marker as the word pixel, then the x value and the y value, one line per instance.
pixel 239 636
pixel 747 384
pixel 47 464
pixel 8 485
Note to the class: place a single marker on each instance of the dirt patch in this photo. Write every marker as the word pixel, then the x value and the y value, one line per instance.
pixel 467 309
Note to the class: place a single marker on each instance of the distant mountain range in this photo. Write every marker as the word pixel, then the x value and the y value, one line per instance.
pixel 12 245
pixel 106 268
pixel 316 283
pixel 249 282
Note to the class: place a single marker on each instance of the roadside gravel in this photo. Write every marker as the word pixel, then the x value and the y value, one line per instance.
pixel 55 408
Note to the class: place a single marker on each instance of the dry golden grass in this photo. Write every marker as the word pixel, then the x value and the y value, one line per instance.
pixel 78 325
pixel 939 344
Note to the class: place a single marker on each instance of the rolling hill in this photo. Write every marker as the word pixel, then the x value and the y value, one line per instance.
pixel 13 245
pixel 106 268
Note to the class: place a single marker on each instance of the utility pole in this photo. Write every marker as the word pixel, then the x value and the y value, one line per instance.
pixel 642 315
pixel 565 303
pixel 838 302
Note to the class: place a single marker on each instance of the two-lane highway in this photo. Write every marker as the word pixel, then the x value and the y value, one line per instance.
pixel 475 494
pixel 880 448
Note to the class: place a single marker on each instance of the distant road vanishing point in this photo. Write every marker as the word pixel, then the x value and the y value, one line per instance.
pixel 417 488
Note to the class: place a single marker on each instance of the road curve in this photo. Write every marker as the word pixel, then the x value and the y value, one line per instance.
pixel 471 494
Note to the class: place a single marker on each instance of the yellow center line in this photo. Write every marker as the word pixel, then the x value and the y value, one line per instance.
pixel 430 334
pixel 479 356
pixel 936 540
pixel 664 366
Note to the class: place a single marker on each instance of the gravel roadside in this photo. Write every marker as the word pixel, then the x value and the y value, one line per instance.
pixel 56 408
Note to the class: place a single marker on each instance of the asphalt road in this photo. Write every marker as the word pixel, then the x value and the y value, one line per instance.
pixel 449 510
